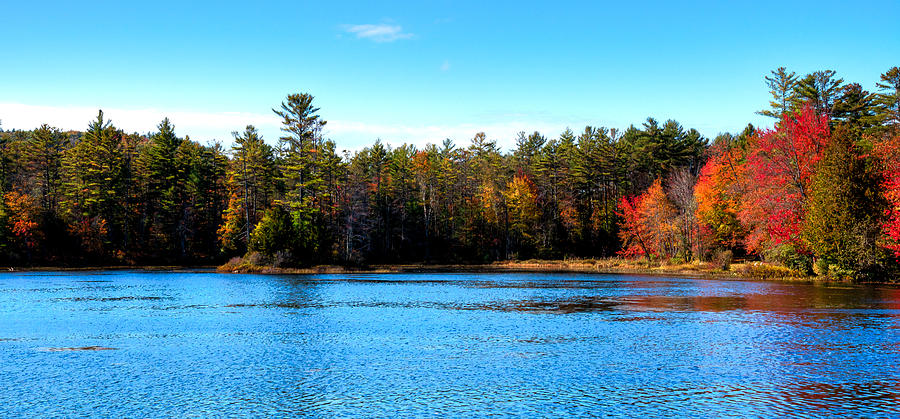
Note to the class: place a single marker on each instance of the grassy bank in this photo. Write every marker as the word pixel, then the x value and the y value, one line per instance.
pixel 162 268
pixel 743 270
pixel 746 270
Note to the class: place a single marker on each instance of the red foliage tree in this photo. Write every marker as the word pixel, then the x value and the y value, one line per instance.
pixel 780 166
pixel 889 152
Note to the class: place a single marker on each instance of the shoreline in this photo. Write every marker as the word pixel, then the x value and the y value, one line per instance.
pixel 745 271
pixel 610 266
pixel 171 268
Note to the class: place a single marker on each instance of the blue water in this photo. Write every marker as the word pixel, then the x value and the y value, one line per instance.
pixel 204 344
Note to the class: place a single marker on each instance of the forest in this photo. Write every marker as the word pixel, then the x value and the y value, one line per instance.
pixel 819 192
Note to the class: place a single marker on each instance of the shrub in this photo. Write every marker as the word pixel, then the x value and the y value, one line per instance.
pixel 274 234
pixel 722 259
pixel 768 271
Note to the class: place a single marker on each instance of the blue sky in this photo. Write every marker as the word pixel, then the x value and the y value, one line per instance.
pixel 423 71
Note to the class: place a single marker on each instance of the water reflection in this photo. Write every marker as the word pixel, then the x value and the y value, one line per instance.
pixel 179 344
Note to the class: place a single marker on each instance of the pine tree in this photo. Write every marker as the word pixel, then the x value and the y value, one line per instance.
pixel 820 90
pixel 299 148
pixel 93 187
pixel 598 179
pixel 846 208
pixel 301 172
pixel 163 184
pixel 856 108
pixel 888 99
pixel 44 152
pixel 251 187
pixel 781 85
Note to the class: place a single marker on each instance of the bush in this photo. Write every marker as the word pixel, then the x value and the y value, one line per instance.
pixel 768 271
pixel 722 259
pixel 676 261
pixel 274 234
pixel 789 256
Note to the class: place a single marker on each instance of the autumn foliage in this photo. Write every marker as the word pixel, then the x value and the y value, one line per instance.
pixel 889 152
pixel 718 191
pixel 648 224
pixel 23 213
pixel 811 196
pixel 779 167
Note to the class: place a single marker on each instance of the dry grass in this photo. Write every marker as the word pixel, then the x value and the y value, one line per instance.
pixel 751 270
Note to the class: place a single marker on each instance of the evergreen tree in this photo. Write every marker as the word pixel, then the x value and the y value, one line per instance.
pixel 888 99
pixel 299 148
pixel 781 86
pixel 846 208
pixel 161 171
pixel 820 90
pixel 200 200
pixel 598 179
pixel 251 187
pixel 856 108
pixel 44 152
pixel 300 170
pixel 93 186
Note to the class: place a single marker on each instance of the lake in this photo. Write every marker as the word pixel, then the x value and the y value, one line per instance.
pixel 198 344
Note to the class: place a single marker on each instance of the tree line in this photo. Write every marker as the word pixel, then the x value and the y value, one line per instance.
pixel 657 190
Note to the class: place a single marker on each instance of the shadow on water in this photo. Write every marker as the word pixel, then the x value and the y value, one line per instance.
pixel 566 306
pixel 78 349
pixel 109 299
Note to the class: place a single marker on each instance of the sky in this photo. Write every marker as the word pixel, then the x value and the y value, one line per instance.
pixel 422 71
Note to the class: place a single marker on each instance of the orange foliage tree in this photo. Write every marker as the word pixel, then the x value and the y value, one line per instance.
pixel 522 207
pixel 719 191
pixel 648 224
pixel 23 212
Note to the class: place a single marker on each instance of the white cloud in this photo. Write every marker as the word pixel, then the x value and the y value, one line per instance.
pixel 354 135
pixel 378 33
pixel 200 126
pixel 206 126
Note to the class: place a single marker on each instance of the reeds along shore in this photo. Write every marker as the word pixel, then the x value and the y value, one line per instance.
pixel 741 270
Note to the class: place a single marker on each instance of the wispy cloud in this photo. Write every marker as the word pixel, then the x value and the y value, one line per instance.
pixel 349 135
pixel 378 33
pixel 202 126
pixel 445 66
pixel 353 135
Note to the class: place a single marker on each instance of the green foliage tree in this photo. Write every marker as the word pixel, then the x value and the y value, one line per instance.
pixel 845 210
pixel 888 98
pixel 820 90
pixel 276 235
pixel 251 185
pixel 44 152
pixel 781 86
pixel 163 187
pixel 856 108
pixel 94 182
pixel 299 148
pixel 655 151
pixel 201 199
pixel 301 170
